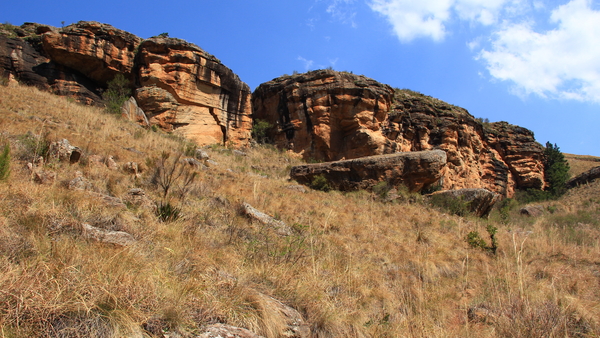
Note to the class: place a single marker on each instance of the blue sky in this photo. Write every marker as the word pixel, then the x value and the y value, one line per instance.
pixel 528 62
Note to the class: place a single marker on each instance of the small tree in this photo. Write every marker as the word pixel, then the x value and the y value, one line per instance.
pixel 260 130
pixel 116 94
pixel 556 169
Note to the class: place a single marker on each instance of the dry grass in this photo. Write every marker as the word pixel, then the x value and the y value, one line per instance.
pixel 581 163
pixel 354 267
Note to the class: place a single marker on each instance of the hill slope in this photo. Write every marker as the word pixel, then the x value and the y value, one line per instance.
pixel 352 265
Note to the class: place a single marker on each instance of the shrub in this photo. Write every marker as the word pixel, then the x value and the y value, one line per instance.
pixel 5 162
pixel 171 173
pixel 34 146
pixel 167 212
pixel 453 205
pixel 381 189
pixel 260 130
pixel 116 94
pixel 475 241
pixel 321 183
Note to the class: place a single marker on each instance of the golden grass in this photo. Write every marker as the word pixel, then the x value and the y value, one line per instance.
pixel 581 163
pixel 354 267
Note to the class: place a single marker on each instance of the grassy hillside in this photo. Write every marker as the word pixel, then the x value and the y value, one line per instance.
pixel 581 163
pixel 354 265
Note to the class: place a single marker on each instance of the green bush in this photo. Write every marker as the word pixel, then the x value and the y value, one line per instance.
pixel 556 172
pixel 116 94
pixel 321 183
pixel 260 131
pixel 5 163
pixel 167 212
pixel 475 241
pixel 453 205
pixel 381 189
pixel 34 146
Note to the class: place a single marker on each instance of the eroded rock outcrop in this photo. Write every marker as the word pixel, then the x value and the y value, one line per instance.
pixel 416 170
pixel 188 90
pixel 325 115
pixel 328 115
pixel 497 156
pixel 99 51
pixel 177 85
pixel 23 58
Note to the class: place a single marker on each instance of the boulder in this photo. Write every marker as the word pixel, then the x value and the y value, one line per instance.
pixel 294 325
pixel 79 182
pixel 44 176
pixel 132 112
pixel 416 170
pixel 279 226
pixel 120 238
pixel 584 178
pixel 532 210
pixel 63 151
pixel 226 331
pixel 479 202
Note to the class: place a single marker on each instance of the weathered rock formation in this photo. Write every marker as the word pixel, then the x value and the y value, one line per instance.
pixel 179 86
pixel 187 89
pixel 325 115
pixel 22 57
pixel 584 178
pixel 329 115
pixel 99 51
pixel 416 170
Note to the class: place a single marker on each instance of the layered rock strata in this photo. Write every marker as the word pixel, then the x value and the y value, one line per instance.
pixel 325 115
pixel 416 170
pixel 180 87
pixel 328 115
pixel 189 90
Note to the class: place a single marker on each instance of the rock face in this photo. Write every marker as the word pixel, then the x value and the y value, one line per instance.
pixel 179 86
pixel 416 170
pixel 325 115
pixel 190 90
pixel 98 51
pixel 328 115
pixel 22 57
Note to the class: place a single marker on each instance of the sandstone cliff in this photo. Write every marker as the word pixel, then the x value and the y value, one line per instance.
pixel 325 115
pixel 328 115
pixel 178 85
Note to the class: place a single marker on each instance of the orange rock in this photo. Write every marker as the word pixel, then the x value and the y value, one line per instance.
pixel 99 51
pixel 328 115
pixel 187 90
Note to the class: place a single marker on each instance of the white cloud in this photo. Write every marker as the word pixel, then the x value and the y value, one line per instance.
pixel 558 63
pixel 343 11
pixel 412 19
pixel 307 63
